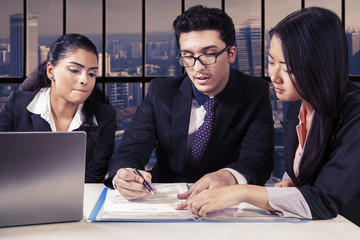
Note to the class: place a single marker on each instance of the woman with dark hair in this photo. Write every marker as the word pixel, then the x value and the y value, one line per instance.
pixel 61 95
pixel 308 66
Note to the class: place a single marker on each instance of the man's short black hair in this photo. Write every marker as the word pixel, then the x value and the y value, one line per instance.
pixel 198 18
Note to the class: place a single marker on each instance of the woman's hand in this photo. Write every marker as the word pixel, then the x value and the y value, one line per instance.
pixel 213 199
pixel 224 197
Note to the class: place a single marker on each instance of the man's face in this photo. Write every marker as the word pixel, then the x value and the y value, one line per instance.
pixel 208 79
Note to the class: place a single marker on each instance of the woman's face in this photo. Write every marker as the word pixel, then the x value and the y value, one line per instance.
pixel 279 73
pixel 73 78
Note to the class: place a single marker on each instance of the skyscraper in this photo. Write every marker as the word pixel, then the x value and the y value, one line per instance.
pixel 32 61
pixel 355 43
pixel 248 43
pixel 136 48
pixel 119 94
pixel 43 53
pixel 354 52
pixel 16 44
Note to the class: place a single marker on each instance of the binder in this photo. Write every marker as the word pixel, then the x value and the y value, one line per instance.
pixel 112 207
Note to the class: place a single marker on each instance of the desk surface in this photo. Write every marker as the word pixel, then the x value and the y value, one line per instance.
pixel 338 228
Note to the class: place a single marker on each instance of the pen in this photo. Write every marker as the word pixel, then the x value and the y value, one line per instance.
pixel 146 184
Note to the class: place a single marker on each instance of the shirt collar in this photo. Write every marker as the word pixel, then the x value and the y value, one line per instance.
pixel 41 105
pixel 302 133
pixel 302 115
pixel 201 98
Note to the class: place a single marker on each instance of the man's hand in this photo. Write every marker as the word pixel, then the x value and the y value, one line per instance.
pixel 130 185
pixel 285 183
pixel 211 180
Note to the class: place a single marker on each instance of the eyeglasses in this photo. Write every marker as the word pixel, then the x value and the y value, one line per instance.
pixel 205 59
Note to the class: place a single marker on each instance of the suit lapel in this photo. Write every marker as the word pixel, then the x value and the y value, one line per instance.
pixel 181 109
pixel 290 137
pixel 39 123
pixel 230 105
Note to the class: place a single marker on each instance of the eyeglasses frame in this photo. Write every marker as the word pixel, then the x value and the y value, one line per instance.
pixel 198 57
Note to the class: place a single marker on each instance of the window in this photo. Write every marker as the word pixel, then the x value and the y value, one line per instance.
pixel 161 48
pixel 334 5
pixel 246 16
pixel 275 10
pixel 11 39
pixel 85 17
pixel 208 3
pixel 124 46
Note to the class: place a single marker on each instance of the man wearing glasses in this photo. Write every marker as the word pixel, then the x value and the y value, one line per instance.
pixel 212 126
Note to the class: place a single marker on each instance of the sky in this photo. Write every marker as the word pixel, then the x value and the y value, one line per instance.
pixel 85 16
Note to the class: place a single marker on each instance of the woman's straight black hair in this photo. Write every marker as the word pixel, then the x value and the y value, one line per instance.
pixel 315 49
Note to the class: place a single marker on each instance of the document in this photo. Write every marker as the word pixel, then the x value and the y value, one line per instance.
pixel 111 206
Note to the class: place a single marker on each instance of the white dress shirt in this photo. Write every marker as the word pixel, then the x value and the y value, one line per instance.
pixel 41 105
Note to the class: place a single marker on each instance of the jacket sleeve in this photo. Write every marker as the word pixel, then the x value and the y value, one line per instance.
pixel 337 185
pixel 255 161
pixel 7 114
pixel 98 166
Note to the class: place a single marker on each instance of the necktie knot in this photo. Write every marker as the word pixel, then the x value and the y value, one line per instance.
pixel 210 104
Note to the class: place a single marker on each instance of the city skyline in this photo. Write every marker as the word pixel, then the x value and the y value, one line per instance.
pixel 130 10
pixel 159 47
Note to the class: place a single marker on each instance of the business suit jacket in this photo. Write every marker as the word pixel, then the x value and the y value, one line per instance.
pixel 336 189
pixel 242 139
pixel 15 117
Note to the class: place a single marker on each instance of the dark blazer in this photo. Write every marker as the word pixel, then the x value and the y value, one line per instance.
pixel 243 138
pixel 336 189
pixel 15 117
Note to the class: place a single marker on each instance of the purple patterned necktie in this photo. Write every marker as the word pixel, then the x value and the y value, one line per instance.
pixel 203 134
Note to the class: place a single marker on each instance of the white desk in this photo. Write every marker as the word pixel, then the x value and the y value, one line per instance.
pixel 338 228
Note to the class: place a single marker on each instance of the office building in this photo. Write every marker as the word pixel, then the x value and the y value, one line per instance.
pixel 32 43
pixel 136 48
pixel 16 45
pixel 118 94
pixel 4 53
pixel 355 36
pixel 43 53
pixel 248 43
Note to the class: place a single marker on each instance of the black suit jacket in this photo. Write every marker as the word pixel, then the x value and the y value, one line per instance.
pixel 336 189
pixel 15 117
pixel 243 138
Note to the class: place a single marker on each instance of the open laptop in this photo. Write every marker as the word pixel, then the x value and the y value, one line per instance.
pixel 42 177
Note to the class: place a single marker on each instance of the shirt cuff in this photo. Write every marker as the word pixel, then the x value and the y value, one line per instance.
pixel 289 202
pixel 113 182
pixel 238 176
